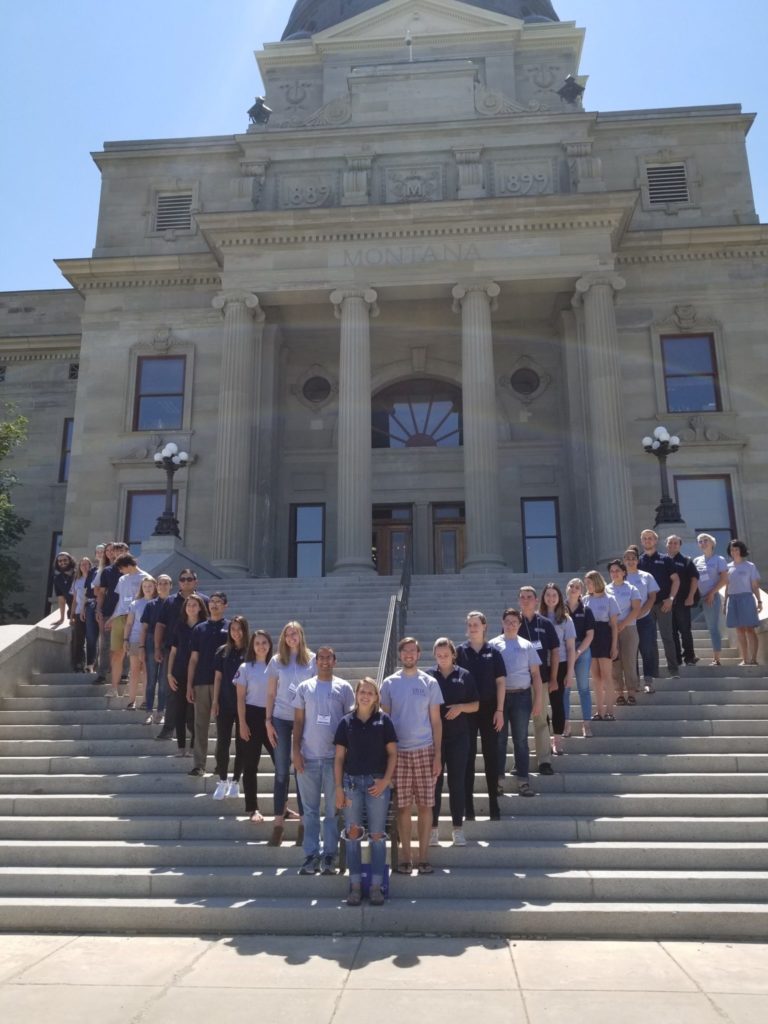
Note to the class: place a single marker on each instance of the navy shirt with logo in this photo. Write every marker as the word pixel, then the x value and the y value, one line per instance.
pixel 583 621
pixel 485 666
pixel 228 664
pixel 109 577
pixel 687 571
pixel 171 612
pixel 366 743
pixel 207 638
pixel 662 568
pixel 543 635
pixel 458 687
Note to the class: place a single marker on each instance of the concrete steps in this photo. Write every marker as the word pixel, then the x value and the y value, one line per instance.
pixel 656 826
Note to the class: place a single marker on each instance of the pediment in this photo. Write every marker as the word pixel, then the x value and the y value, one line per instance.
pixel 422 18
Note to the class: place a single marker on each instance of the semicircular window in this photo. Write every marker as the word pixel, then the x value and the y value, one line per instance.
pixel 417 413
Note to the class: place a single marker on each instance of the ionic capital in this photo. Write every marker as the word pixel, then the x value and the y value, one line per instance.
pixel 368 295
pixel 247 299
pixel 489 288
pixel 606 277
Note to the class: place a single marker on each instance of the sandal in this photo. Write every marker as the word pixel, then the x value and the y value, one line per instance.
pixel 276 838
pixel 257 817
pixel 425 868
pixel 405 867
pixel 567 730
pixel 631 699
pixel 586 731
pixel 525 789
pixel 608 718
pixel 597 717
pixel 621 699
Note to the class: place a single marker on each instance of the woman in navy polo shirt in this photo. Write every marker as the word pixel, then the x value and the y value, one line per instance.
pixel 366 756
pixel 460 699
pixel 584 623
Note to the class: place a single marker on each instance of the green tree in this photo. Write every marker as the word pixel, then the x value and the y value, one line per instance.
pixel 13 432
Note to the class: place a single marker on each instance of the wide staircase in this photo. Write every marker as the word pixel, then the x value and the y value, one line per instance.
pixel 655 827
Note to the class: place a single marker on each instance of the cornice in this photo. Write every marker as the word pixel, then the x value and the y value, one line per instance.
pixel 35 348
pixel 608 212
pixel 141 272
pixel 733 242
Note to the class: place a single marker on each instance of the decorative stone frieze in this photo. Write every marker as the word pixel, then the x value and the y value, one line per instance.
pixel 524 177
pixel 490 103
pixel 308 191
pixel 423 184
pixel 335 113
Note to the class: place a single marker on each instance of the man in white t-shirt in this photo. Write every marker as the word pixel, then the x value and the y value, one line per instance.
pixel 412 699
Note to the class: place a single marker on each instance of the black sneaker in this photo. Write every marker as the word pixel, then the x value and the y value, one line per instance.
pixel 311 865
pixel 546 769
pixel 99 680
pixel 196 773
pixel 164 735
pixel 328 866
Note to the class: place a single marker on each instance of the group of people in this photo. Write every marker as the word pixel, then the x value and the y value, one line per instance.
pixel 350 748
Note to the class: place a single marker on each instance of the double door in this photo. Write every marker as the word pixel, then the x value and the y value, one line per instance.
pixel 393 538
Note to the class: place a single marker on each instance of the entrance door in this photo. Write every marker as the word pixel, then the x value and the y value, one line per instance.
pixel 392 538
pixel 448 536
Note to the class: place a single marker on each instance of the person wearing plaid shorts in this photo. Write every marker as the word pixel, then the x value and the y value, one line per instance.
pixel 412 699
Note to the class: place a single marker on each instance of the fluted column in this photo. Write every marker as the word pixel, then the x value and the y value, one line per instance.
pixel 235 430
pixel 354 308
pixel 481 473
pixel 609 481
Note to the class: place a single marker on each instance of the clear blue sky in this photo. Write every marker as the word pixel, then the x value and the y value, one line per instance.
pixel 75 73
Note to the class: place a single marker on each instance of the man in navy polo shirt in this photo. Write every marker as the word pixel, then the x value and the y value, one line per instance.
pixel 684 601
pixel 207 638
pixel 662 568
pixel 164 627
pixel 486 666
pixel 543 635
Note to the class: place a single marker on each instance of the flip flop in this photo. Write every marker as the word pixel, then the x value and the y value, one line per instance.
pixel 257 818
pixel 425 868
pixel 405 867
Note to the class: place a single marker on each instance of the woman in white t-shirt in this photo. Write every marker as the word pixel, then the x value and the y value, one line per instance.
pixel 605 645
pixel 251 683
pixel 554 608
pixel 133 645
pixel 628 599
pixel 293 663
pixel 713 576
pixel 743 599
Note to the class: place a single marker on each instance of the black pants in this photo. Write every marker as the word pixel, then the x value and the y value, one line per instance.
pixel 556 702
pixel 454 756
pixel 482 722
pixel 184 717
pixel 226 723
pixel 681 631
pixel 78 645
pixel 255 719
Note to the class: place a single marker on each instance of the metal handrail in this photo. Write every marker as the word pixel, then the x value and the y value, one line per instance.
pixel 397 617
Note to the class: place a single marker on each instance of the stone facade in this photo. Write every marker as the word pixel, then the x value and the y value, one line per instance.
pixel 434 212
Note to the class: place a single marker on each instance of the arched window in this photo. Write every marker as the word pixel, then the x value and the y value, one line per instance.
pixel 417 413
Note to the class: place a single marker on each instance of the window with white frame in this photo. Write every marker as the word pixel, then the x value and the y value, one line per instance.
pixel 706 505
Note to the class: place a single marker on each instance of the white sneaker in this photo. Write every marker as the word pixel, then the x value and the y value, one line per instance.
pixel 459 839
pixel 434 837
pixel 221 790
pixel 234 790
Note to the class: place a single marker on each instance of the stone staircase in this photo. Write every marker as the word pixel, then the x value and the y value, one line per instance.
pixel 655 827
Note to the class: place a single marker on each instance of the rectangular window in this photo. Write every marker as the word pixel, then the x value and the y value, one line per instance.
pixel 541 535
pixel 307 540
pixel 706 505
pixel 667 183
pixel 66 449
pixel 159 403
pixel 690 373
pixel 141 514
pixel 173 211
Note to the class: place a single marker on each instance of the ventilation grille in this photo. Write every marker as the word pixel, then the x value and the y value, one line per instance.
pixel 174 212
pixel 667 184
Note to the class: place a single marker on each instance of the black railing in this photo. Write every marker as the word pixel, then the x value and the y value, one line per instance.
pixel 397 617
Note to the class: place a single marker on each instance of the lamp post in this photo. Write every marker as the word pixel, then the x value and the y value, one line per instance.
pixel 661 444
pixel 171 460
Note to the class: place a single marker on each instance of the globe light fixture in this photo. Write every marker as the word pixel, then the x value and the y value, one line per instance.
pixel 662 444
pixel 171 460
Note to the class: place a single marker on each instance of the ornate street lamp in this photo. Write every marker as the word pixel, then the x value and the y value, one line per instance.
pixel 662 445
pixel 171 460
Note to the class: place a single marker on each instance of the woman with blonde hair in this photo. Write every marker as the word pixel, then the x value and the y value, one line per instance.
pixel 293 663
pixel 584 624
pixel 713 576
pixel 605 645
pixel 364 765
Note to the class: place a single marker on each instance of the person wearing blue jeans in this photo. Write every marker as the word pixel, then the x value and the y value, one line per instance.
pixel 319 704
pixel 364 765
pixel 713 576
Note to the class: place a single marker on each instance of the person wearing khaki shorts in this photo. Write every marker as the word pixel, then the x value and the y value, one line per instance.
pixel 624 668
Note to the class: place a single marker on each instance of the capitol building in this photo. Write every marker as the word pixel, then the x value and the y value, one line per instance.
pixel 427 302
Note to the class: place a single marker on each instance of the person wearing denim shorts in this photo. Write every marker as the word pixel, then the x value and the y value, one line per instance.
pixel 319 705
pixel 366 756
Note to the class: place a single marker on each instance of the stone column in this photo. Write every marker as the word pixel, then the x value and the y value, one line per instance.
pixel 354 308
pixel 237 387
pixel 481 471
pixel 609 482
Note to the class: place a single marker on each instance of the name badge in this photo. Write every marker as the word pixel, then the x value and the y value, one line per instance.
pixel 537 645
pixel 292 687
pixel 323 719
